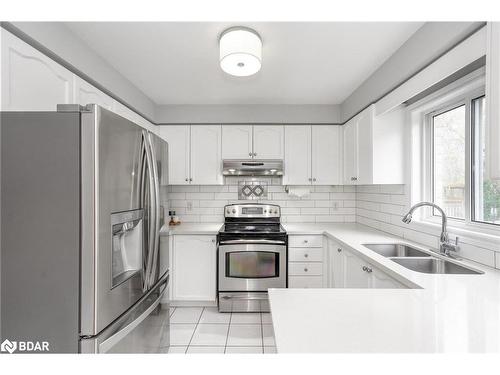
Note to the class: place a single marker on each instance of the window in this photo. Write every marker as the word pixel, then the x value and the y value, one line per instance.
pixel 448 147
pixel 449 143
pixel 486 192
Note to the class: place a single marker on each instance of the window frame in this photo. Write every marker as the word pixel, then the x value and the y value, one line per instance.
pixel 463 90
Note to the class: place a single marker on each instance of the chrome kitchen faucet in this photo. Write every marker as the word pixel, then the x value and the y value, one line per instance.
pixel 445 247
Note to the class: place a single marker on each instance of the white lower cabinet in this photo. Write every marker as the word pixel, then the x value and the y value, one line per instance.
pixel 306 266
pixel 193 268
pixel 347 270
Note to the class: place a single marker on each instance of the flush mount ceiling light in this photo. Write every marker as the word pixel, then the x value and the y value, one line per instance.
pixel 240 51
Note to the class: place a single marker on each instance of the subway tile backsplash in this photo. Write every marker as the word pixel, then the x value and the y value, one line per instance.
pixel 383 206
pixel 206 203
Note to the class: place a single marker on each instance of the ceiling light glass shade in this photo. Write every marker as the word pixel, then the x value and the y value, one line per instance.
pixel 240 52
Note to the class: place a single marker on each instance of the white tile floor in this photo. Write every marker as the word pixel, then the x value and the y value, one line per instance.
pixel 205 330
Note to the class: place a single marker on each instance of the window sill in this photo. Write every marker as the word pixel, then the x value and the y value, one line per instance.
pixel 476 235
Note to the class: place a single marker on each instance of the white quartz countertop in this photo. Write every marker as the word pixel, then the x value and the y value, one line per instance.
pixel 442 313
pixel 191 228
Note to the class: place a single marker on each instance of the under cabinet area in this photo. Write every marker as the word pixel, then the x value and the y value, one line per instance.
pixel 193 264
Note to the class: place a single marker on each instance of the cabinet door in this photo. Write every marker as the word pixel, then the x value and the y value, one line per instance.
pixel 326 154
pixel 364 135
pixel 177 137
pixel 30 80
pixel 350 152
pixel 236 141
pixel 297 155
pixel 206 168
pixel 337 277
pixel 355 276
pixel 84 93
pixel 193 268
pixel 268 142
pixel 380 280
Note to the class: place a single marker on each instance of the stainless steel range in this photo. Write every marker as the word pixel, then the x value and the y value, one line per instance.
pixel 252 257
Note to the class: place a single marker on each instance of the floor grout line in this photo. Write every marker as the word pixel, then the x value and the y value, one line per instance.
pixel 228 329
pixel 196 326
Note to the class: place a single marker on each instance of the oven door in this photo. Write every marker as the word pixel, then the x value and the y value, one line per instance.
pixel 252 267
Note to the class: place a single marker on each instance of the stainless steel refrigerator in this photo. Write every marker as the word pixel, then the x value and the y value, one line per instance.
pixel 81 211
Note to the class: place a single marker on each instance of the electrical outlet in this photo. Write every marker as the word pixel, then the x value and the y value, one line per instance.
pixel 189 206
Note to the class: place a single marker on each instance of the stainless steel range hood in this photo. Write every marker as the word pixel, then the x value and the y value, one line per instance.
pixel 252 168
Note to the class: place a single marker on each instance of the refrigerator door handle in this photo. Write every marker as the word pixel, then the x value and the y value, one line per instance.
pixel 156 238
pixel 151 212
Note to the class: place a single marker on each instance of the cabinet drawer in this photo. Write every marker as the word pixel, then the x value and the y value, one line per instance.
pixel 299 254
pixel 305 269
pixel 305 241
pixel 305 282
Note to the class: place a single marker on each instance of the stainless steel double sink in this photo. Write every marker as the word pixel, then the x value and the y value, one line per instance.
pixel 420 261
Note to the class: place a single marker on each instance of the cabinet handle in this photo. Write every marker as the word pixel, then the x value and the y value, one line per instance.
pixel 306 241
pixel 368 269
pixel 249 154
pixel 254 154
pixel 310 179
pixel 354 179
pixel 305 270
pixel 339 249
pixel 213 240
pixel 314 179
pixel 364 268
pixel 190 179
pixel 187 179
pixel 306 255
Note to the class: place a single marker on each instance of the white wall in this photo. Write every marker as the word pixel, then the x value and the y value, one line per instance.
pixel 59 40
pixel 324 204
pixel 248 113
pixel 429 42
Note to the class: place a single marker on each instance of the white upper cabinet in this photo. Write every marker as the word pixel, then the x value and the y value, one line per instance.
pixel 178 139
pixel 84 93
pixel 253 142
pixel 326 155
pixel 313 155
pixel 297 164
pixel 30 80
pixel 493 99
pixel 268 142
pixel 237 141
pixel 374 148
pixel 350 149
pixel 194 154
pixel 206 168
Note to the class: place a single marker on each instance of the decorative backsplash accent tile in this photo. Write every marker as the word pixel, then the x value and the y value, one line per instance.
pixel 252 190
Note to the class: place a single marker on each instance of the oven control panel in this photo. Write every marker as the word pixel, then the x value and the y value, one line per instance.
pixel 252 210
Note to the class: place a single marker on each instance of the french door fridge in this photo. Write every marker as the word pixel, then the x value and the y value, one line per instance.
pixel 81 211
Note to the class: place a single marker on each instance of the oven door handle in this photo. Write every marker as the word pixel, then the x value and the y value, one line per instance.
pixel 246 297
pixel 257 241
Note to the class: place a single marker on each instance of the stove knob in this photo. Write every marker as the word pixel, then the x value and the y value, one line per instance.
pixel 228 211
pixel 234 211
pixel 265 211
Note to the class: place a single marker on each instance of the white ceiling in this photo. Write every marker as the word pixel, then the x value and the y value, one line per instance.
pixel 302 63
